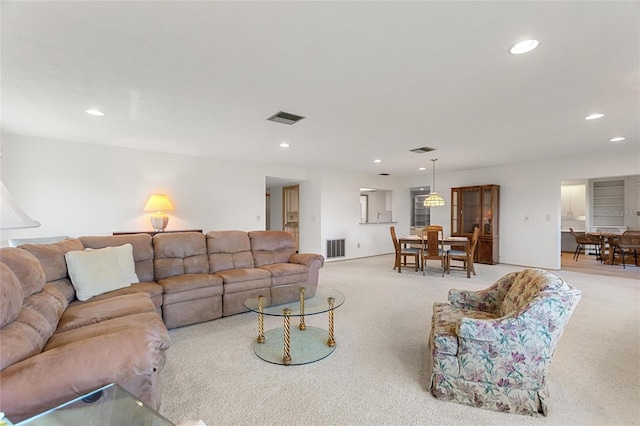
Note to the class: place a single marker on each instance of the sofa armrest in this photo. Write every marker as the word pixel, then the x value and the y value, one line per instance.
pixel 66 372
pixel 307 259
pixel 486 300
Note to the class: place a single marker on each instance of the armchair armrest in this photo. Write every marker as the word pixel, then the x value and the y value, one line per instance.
pixel 487 300
pixel 307 259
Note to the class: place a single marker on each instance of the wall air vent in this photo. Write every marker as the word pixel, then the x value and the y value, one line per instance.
pixel 422 150
pixel 285 118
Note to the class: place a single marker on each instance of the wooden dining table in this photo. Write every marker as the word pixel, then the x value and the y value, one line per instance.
pixel 447 241
pixel 604 238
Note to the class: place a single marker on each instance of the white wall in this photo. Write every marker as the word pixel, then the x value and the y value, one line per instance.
pixel 340 212
pixel 79 189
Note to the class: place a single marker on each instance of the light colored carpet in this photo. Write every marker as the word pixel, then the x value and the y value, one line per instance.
pixel 379 372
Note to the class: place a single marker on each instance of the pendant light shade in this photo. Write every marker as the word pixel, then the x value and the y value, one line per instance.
pixel 434 199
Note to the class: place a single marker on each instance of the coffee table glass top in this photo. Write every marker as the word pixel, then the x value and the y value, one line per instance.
pixel 109 405
pixel 315 302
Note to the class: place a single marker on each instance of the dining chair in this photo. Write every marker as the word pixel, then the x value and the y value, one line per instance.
pixel 461 255
pixel 432 246
pixel 403 252
pixel 583 240
pixel 625 244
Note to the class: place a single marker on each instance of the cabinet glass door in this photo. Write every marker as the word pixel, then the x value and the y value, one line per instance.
pixel 455 212
pixel 471 210
pixel 487 212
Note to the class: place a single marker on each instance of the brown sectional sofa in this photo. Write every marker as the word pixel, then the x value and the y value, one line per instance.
pixel 54 347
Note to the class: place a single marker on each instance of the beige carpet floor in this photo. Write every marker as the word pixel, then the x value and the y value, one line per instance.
pixel 379 372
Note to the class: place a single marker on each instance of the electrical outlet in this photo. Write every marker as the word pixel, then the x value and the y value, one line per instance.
pixel 526 218
pixel 358 245
pixel 258 218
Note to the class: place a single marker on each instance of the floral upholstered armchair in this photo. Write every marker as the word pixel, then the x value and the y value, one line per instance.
pixel 492 348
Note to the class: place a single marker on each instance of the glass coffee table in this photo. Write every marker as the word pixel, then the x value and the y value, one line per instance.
pixel 109 405
pixel 301 344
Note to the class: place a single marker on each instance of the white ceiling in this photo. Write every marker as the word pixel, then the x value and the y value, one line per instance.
pixel 373 79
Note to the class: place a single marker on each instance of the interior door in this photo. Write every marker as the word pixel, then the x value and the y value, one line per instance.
pixel 290 211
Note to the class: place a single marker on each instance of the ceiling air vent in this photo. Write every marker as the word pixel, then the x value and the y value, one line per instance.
pixel 285 118
pixel 422 150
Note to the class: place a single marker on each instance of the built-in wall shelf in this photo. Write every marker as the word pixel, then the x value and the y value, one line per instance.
pixel 608 204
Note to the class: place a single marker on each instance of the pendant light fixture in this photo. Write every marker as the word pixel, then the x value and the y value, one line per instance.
pixel 434 199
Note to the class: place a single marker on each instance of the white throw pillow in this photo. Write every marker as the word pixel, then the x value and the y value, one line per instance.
pixel 95 272
pixel 125 259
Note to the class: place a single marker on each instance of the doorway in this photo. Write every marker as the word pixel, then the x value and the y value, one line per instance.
pixel 290 211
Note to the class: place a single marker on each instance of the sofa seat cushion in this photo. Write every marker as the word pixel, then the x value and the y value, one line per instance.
pixel 239 280
pixel 287 273
pixel 95 311
pixel 153 289
pixel 149 320
pixel 445 324
pixel 186 287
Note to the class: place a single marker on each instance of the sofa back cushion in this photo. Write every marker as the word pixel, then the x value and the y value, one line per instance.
pixel 26 267
pixel 10 295
pixel 269 247
pixel 229 250
pixel 526 285
pixel 51 256
pixel 142 250
pixel 30 309
pixel 180 253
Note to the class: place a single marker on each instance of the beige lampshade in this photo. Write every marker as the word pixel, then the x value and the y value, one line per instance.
pixel 159 203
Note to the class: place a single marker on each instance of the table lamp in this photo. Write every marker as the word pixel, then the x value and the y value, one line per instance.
pixel 11 215
pixel 159 203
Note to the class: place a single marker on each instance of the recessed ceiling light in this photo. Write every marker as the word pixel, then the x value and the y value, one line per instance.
pixel 422 168
pixel 284 145
pixel 377 160
pixel 594 116
pixel 617 139
pixel 94 112
pixel 524 47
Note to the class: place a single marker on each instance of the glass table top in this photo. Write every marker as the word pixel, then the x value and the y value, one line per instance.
pixel 109 405
pixel 315 302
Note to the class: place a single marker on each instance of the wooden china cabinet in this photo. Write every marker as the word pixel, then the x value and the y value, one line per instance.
pixel 473 206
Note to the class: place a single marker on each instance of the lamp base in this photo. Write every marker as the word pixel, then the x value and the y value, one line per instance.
pixel 159 221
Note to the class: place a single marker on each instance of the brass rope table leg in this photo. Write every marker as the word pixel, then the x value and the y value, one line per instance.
pixel 331 341
pixel 302 325
pixel 286 359
pixel 260 319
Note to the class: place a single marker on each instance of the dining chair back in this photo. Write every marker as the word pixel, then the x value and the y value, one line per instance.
pixel 582 241
pixel 403 252
pixel 432 246
pixel 461 255
pixel 627 243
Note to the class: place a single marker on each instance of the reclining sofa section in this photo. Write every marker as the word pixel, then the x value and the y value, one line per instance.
pixel 55 347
